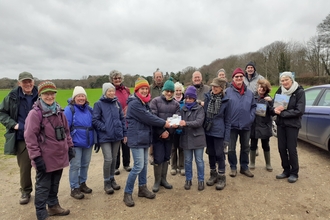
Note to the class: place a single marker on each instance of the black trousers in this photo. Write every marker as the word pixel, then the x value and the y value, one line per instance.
pixel 126 154
pixel 46 188
pixel 264 144
pixel 287 147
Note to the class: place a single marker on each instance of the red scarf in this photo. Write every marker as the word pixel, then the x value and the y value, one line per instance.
pixel 143 99
pixel 240 90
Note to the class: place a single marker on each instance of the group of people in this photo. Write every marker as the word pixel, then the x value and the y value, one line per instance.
pixel 212 117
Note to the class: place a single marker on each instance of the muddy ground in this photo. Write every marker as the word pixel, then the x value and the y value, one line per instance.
pixel 261 197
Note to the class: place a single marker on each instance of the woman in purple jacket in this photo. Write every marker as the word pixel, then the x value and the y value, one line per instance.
pixel 50 149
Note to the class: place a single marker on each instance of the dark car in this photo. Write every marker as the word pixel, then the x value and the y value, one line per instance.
pixel 315 123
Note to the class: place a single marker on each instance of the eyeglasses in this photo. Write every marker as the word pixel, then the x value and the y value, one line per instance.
pixel 238 76
pixel 117 78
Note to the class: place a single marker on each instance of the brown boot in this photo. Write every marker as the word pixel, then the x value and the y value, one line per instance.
pixel 57 210
pixel 76 193
pixel 128 200
pixel 144 192
pixel 84 188
pixel 114 184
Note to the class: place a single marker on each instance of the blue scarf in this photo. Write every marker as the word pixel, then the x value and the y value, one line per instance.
pixel 190 105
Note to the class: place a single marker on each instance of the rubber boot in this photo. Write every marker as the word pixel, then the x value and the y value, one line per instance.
pixel 213 177
pixel 252 159
pixel 267 160
pixel 158 177
pixel 221 182
pixel 163 181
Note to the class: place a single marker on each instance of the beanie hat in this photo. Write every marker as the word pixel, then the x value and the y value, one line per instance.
pixel 78 90
pixel 107 86
pixel 287 74
pixel 141 82
pixel 191 92
pixel 251 64
pixel 237 71
pixel 46 86
pixel 168 85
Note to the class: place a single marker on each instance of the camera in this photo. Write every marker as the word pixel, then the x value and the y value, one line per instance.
pixel 207 125
pixel 60 133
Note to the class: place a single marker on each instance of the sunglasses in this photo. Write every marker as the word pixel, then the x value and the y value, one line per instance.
pixel 117 78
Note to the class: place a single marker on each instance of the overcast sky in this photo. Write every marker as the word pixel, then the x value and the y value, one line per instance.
pixel 56 39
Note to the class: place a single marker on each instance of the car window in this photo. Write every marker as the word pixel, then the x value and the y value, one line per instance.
pixel 325 99
pixel 311 95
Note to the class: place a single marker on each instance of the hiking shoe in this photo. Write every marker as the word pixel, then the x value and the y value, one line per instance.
pixel 128 168
pixel 84 188
pixel 114 185
pixel 292 179
pixel 200 185
pixel 187 185
pixel 282 176
pixel 128 200
pixel 233 173
pixel 108 188
pixel 182 172
pixel 25 198
pixel 173 172
pixel 77 194
pixel 246 173
pixel 57 210
pixel 117 172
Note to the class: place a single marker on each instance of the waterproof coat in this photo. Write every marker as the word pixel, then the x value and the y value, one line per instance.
pixel 201 90
pixel 9 117
pixel 291 117
pixel 108 120
pixel 243 108
pixel 80 124
pixel 164 108
pixel 41 140
pixel 252 83
pixel 221 123
pixel 193 136
pixel 140 120
pixel 262 125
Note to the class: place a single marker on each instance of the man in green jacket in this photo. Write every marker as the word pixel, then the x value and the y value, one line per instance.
pixel 13 112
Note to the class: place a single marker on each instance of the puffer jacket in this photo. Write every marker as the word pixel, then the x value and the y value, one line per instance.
pixel 221 123
pixel 108 120
pixel 140 121
pixel 164 108
pixel 243 108
pixel 262 126
pixel 252 83
pixel 82 131
pixel 193 136
pixel 41 140
pixel 291 117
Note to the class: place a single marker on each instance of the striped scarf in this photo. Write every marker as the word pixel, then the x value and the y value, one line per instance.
pixel 214 105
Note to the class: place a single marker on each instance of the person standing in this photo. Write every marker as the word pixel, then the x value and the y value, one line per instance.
pixel 122 94
pixel 288 123
pixel 222 75
pixel 243 109
pixel 193 137
pixel 140 121
pixel 217 131
pixel 201 88
pixel 79 115
pixel 262 125
pixel 50 148
pixel 13 112
pixel 163 106
pixel 110 124
pixel 156 87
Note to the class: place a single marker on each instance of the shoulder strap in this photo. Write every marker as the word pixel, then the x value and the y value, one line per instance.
pixel 39 115
pixel 72 113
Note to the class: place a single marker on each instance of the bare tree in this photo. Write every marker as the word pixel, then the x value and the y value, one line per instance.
pixel 323 30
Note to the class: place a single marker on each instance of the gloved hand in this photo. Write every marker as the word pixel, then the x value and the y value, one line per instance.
pixel 72 153
pixel 40 164
pixel 97 147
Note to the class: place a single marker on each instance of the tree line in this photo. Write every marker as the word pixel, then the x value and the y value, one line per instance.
pixel 309 60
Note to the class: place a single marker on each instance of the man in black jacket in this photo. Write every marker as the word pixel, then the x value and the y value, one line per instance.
pixel 13 112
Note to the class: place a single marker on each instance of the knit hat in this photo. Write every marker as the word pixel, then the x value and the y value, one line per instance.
pixel 141 82
pixel 191 92
pixel 218 82
pixel 237 71
pixel 46 86
pixel 25 75
pixel 168 85
pixel 78 90
pixel 107 86
pixel 287 74
pixel 251 64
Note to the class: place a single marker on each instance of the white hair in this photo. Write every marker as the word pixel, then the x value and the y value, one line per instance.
pixel 179 85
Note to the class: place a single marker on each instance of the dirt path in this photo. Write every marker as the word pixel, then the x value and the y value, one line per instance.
pixel 261 197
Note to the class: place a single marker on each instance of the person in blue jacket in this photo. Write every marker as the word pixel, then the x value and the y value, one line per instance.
pixel 79 117
pixel 217 130
pixel 243 108
pixel 110 124
pixel 140 121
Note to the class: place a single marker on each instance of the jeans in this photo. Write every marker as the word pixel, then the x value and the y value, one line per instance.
pixel 46 186
pixel 215 151
pixel 24 164
pixel 79 166
pixel 162 151
pixel 110 151
pixel 140 168
pixel 126 155
pixel 287 147
pixel 188 157
pixel 244 137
